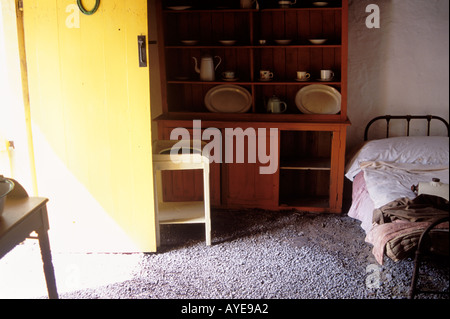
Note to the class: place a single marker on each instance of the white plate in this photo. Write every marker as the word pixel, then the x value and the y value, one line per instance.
pixel 228 98
pixel 318 99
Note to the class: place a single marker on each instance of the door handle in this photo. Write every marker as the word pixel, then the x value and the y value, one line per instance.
pixel 142 48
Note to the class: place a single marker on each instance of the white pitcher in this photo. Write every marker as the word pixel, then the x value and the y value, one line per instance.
pixel 207 68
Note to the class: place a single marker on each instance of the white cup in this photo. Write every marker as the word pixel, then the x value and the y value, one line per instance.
pixel 326 74
pixel 265 75
pixel 303 75
pixel 228 75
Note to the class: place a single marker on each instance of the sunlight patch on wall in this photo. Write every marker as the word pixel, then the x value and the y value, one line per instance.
pixel 78 223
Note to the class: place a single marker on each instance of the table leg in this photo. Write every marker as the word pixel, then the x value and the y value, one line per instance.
pixel 47 264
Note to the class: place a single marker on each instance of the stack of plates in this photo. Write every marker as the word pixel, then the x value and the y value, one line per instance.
pixel 318 99
pixel 228 99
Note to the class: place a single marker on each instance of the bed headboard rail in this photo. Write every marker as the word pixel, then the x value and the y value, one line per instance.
pixel 408 119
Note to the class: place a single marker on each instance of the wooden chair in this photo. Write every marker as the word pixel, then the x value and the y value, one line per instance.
pixel 423 250
pixel 190 212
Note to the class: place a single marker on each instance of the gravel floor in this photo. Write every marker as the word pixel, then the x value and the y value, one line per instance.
pixel 255 254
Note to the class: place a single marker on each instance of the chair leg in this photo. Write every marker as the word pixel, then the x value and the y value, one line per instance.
pixel 208 234
pixel 207 207
pixel 413 288
pixel 424 237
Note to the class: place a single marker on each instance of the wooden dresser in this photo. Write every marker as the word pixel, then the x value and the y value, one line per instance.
pixel 310 150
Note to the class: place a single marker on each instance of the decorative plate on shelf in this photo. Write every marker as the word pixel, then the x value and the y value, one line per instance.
pixel 318 99
pixel 228 98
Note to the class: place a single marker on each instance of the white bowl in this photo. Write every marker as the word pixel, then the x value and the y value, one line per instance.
pixel 179 8
pixel 320 3
pixel 189 42
pixel 283 41
pixel 227 42
pixel 6 186
pixel 317 41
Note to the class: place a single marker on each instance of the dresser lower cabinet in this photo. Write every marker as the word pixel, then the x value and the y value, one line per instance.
pixel 267 165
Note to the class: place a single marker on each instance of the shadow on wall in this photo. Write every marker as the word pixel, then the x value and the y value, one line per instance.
pixel 368 48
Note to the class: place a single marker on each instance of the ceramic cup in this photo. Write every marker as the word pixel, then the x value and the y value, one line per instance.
pixel 303 75
pixel 279 107
pixel 265 75
pixel 228 75
pixel 326 74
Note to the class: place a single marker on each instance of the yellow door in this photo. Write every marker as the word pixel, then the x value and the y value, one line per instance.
pixel 91 124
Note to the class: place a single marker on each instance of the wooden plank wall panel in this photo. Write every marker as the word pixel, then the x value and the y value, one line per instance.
pixel 88 76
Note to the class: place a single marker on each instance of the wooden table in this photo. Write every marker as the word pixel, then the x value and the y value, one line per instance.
pixel 21 217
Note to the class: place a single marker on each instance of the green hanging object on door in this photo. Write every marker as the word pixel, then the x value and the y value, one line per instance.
pixel 87 12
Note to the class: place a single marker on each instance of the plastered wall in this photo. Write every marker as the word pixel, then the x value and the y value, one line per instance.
pixel 400 68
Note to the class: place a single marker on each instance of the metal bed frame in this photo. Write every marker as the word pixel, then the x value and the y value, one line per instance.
pixel 408 119
pixel 424 240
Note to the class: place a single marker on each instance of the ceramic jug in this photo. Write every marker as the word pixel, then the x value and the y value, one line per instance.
pixel 247 4
pixel 275 105
pixel 207 68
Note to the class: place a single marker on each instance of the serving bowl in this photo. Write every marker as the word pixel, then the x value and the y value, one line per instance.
pixel 283 41
pixel 227 42
pixel 317 41
pixel 6 186
pixel 189 42
pixel 320 3
pixel 179 8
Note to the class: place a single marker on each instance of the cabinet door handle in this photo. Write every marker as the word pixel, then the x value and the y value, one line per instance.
pixel 142 51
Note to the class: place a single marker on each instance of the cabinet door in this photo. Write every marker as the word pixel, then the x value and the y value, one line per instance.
pixel 244 180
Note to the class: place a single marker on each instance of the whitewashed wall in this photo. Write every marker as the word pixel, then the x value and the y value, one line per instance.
pixel 400 68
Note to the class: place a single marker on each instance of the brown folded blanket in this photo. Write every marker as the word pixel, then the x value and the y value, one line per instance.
pixel 399 224
pixel 423 208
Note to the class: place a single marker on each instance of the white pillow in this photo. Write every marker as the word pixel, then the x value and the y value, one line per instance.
pixel 425 150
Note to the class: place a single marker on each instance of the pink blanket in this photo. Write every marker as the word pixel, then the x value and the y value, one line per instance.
pixel 380 235
pixel 362 205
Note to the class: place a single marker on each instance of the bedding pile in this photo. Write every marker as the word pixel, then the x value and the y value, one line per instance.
pixel 383 172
